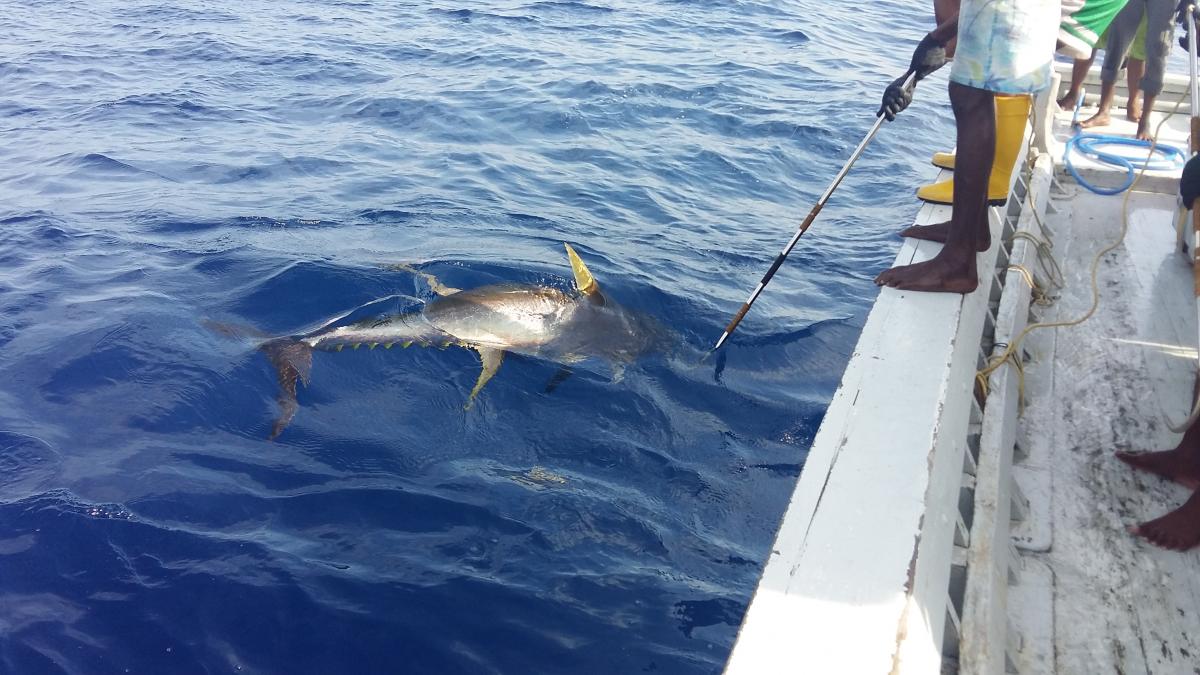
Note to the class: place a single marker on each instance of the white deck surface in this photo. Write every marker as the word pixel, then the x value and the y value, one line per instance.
pixel 1120 605
pixel 867 570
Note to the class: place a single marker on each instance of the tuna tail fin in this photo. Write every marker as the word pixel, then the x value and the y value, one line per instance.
pixel 293 361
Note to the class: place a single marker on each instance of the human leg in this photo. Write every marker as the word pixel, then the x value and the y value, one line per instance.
pixel 1179 530
pixel 1121 33
pixel 1180 464
pixel 1108 89
pixel 1079 70
pixel 1160 29
pixel 1134 70
pixel 1012 113
pixel 953 269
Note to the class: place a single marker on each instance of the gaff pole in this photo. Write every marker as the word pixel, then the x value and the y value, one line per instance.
pixel 808 220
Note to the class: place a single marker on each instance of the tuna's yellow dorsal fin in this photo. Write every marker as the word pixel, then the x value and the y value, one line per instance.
pixel 584 280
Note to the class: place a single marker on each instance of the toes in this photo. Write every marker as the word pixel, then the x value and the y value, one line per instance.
pixel 1131 458
pixel 1151 533
pixel 1164 535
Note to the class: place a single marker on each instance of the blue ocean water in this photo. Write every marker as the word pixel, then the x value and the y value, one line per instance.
pixel 269 163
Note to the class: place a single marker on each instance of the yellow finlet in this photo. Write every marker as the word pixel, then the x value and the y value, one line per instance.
pixel 584 280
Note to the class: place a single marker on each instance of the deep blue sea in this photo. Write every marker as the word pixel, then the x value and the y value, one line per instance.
pixel 269 163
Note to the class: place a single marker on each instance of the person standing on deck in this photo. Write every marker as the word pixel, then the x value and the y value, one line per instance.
pixel 1160 27
pixel 1084 27
pixel 1082 44
pixel 1003 47
pixel 1179 529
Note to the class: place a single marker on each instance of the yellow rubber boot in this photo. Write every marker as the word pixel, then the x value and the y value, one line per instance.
pixel 1011 114
pixel 943 160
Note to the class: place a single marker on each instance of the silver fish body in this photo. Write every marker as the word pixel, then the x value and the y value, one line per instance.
pixel 532 320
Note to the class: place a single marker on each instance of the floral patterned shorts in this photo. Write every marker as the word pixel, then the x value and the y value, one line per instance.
pixel 1006 46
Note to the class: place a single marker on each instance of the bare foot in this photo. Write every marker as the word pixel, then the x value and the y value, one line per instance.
pixel 1134 112
pixel 1179 530
pixel 1177 465
pixel 939 231
pixel 1143 130
pixel 1100 119
pixel 1067 102
pixel 941 274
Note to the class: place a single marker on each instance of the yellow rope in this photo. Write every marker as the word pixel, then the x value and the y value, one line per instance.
pixel 1045 258
pixel 1009 353
pixel 1036 291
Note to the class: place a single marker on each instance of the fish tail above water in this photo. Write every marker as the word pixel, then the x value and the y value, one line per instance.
pixel 292 360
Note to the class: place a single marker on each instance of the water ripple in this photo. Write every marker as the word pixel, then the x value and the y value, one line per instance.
pixel 266 167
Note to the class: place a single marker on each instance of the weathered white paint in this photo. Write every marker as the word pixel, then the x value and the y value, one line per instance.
pixel 985 619
pixel 857 579
pixel 1043 115
pixel 861 576
pixel 1174 86
pixel 1100 174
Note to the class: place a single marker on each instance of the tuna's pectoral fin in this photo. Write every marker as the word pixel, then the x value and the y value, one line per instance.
pixel 491 363
pixel 292 361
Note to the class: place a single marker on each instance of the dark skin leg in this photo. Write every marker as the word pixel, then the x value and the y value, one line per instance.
pixel 1143 130
pixel 1133 80
pixel 938 232
pixel 1180 464
pixel 1180 529
pixel 953 269
pixel 1079 70
pixel 1101 118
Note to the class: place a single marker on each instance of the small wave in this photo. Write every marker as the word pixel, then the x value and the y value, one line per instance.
pixel 64 502
pixel 27 464
pixel 469 15
pixel 95 165
pixel 160 13
pixel 797 36
pixel 161 107
pixel 402 112
pixel 570 6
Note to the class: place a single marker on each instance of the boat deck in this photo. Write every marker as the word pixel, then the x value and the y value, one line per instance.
pixel 1120 604
pixel 936 526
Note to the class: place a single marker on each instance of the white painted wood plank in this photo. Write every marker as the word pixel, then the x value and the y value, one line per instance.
pixel 1173 133
pixel 1120 604
pixel 1035 592
pixel 985 615
pixel 834 596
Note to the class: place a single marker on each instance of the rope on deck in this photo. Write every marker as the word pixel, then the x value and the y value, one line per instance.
pixel 1009 353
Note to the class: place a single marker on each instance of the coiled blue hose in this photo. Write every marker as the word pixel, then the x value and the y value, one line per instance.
pixel 1169 158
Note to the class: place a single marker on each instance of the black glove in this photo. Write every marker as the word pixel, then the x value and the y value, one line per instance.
pixel 896 97
pixel 927 57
